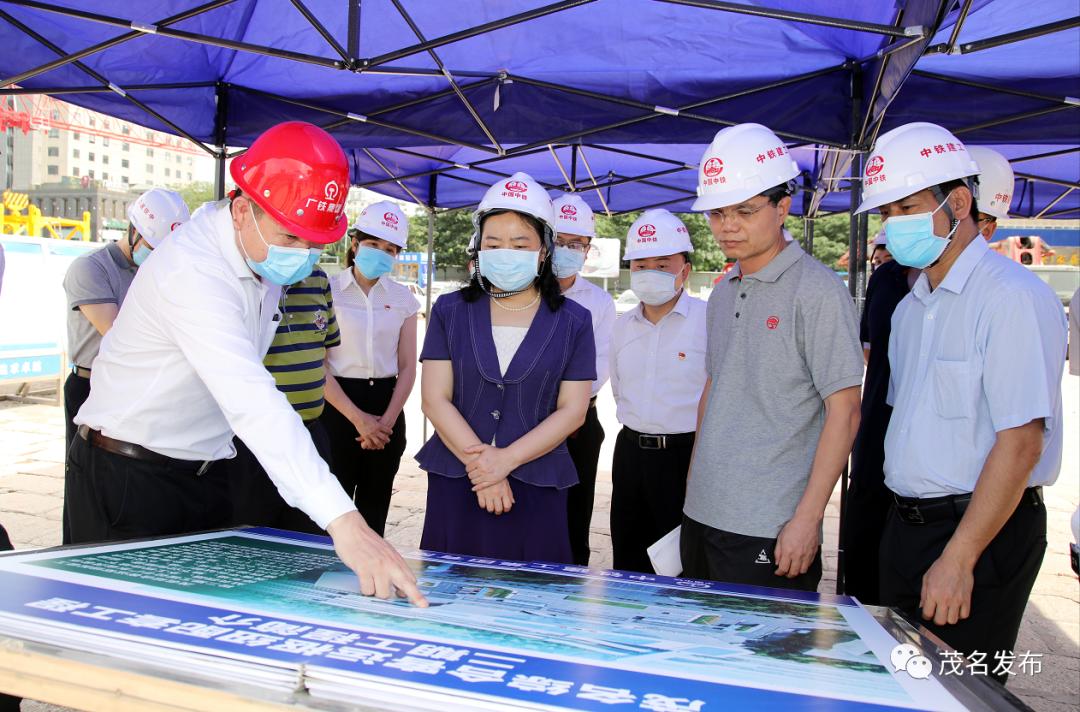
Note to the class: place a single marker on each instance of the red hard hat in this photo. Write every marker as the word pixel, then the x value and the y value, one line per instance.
pixel 298 174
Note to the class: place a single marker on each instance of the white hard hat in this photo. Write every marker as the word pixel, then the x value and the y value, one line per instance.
pixel 655 234
pixel 996 182
pixel 879 239
pixel 573 216
pixel 521 194
pixel 156 213
pixel 384 220
pixel 741 162
pixel 911 158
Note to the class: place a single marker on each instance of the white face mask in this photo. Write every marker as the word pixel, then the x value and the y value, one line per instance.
pixel 653 287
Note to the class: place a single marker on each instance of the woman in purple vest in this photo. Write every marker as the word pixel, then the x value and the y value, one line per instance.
pixel 507 370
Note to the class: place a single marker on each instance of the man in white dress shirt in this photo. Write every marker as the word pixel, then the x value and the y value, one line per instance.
pixel 576 228
pixel 657 375
pixel 181 370
pixel 977 351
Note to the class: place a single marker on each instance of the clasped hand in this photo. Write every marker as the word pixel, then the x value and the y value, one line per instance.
pixel 372 432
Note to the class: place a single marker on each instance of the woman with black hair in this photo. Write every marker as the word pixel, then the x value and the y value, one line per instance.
pixel 507 370
pixel 374 366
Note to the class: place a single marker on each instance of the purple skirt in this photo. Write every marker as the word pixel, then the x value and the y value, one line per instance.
pixel 535 528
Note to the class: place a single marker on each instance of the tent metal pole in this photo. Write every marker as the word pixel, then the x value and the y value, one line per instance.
pixel 854 289
pixel 792 16
pixel 928 14
pixel 314 22
pixel 1059 213
pixel 471 32
pixel 573 166
pixel 105 82
pixel 185 35
pixel 107 44
pixel 1009 38
pixel 221 114
pixel 57 91
pixel 1051 181
pixel 635 154
pixel 1048 154
pixel 1054 202
pixel 390 173
pixel 432 199
pixel 449 78
pixel 354 31
pixel 367 119
pixel 405 104
pixel 680 112
pixel 1016 117
pixel 989 87
pixel 951 44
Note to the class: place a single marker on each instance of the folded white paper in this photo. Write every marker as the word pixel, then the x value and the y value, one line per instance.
pixel 664 554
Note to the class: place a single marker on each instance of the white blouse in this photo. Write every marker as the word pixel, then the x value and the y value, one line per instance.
pixel 507 341
pixel 370 326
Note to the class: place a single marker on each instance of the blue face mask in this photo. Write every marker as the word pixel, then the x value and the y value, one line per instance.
pixel 509 270
pixel 567 262
pixel 912 241
pixel 373 262
pixel 284 265
pixel 140 254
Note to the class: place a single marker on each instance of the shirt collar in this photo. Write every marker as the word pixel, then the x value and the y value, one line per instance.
pixel 957 275
pixel 347 280
pixel 771 272
pixel 578 285
pixel 682 308
pixel 218 221
pixel 961 270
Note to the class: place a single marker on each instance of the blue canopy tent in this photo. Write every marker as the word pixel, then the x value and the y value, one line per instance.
pixel 614 99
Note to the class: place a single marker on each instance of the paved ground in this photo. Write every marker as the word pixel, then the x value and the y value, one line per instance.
pixel 31 490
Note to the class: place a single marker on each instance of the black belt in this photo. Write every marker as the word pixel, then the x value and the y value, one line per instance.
pixel 647 441
pixel 138 452
pixel 950 507
pixel 80 371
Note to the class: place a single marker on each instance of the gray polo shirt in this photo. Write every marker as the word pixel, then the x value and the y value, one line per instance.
pixel 99 277
pixel 780 341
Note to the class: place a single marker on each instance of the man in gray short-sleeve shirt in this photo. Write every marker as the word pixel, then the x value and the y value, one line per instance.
pixel 96 284
pixel 781 406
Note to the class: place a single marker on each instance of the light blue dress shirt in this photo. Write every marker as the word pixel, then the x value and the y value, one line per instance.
pixel 982 353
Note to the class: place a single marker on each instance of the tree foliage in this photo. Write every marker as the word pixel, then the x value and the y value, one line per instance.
pixel 197 193
pixel 453 228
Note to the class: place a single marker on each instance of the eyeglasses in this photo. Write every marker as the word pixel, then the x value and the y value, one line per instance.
pixel 740 214
pixel 573 246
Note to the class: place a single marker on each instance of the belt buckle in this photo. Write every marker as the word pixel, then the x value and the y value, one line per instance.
pixel 652 442
pixel 914 515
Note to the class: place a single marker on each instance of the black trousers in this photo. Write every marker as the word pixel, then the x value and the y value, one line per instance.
pixel 366 475
pixel 76 391
pixel 716 555
pixel 584 447
pixel 7 702
pixel 115 497
pixel 867 510
pixel 648 488
pixel 254 497
pixel 1004 576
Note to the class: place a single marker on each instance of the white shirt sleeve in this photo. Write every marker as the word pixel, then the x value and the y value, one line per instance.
pixel 1024 355
pixel 602 329
pixel 206 321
